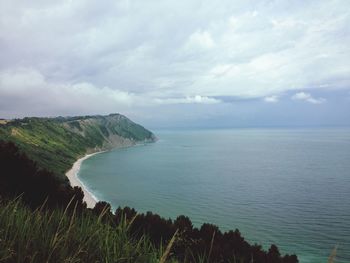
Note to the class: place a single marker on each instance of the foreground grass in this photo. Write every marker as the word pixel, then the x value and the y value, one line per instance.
pixel 62 236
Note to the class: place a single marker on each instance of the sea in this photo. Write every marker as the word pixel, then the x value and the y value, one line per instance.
pixel 289 187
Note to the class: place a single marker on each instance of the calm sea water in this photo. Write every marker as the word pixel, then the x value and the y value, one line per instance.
pixel 288 187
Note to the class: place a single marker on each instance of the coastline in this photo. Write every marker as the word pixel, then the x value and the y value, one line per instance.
pixel 72 176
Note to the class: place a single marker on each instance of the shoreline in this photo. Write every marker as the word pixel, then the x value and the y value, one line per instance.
pixel 72 176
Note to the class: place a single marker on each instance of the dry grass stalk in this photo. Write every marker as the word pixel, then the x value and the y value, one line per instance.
pixel 168 248
pixel 331 258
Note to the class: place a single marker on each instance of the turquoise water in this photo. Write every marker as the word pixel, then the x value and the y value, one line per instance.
pixel 288 187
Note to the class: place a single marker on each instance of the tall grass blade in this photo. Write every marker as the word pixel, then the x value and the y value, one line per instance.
pixel 168 248
pixel 331 258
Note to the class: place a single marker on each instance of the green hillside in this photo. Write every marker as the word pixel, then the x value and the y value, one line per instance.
pixel 55 143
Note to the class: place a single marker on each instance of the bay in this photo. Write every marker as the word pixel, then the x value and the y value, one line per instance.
pixel 290 187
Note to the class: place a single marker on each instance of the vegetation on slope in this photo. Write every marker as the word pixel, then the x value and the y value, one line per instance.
pixel 21 176
pixel 55 143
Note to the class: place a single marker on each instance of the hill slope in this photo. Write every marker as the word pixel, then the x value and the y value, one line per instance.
pixel 55 143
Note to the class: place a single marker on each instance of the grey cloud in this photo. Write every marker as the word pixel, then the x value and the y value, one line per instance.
pixel 172 51
pixel 40 97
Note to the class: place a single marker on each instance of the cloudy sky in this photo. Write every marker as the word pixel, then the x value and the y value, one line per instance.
pixel 178 63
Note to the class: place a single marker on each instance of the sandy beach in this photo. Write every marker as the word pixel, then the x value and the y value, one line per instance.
pixel 72 175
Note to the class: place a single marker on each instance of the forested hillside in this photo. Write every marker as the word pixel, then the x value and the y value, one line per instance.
pixel 55 143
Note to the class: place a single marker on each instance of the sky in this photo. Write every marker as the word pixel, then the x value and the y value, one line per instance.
pixel 171 63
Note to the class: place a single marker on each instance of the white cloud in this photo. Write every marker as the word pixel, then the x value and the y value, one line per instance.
pixel 20 79
pixel 271 99
pixel 28 88
pixel 308 98
pixel 188 100
pixel 200 39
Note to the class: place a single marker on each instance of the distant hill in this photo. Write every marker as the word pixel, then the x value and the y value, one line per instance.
pixel 55 143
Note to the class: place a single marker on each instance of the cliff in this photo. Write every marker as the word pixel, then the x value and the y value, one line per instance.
pixel 55 143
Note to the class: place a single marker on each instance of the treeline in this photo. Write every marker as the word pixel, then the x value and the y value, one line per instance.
pixel 193 244
pixel 20 176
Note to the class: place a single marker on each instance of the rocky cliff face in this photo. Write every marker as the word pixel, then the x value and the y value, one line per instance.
pixel 112 131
